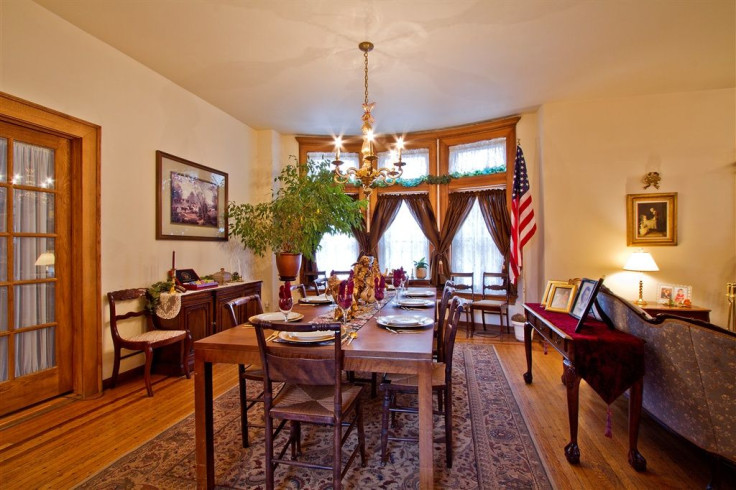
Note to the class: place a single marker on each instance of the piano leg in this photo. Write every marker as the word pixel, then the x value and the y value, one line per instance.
pixel 636 460
pixel 528 350
pixel 572 382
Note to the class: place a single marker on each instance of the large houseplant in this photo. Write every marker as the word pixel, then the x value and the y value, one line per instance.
pixel 306 204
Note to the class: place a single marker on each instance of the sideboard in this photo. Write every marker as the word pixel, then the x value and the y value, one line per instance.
pixel 202 313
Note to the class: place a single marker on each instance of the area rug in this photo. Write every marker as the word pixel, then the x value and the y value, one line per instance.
pixel 492 445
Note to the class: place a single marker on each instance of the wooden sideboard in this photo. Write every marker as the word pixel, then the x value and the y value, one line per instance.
pixel 695 312
pixel 202 313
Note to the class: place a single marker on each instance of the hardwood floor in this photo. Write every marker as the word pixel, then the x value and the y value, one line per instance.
pixel 62 443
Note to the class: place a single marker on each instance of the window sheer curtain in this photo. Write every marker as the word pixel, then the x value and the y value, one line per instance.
pixel 458 207
pixel 34 304
pixel 478 156
pixel 403 242
pixel 416 160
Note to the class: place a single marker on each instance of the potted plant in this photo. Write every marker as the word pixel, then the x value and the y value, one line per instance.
pixel 518 320
pixel 306 203
pixel 420 268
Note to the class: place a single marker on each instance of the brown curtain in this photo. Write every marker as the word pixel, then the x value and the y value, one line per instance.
pixel 492 205
pixel 363 237
pixel 421 209
pixel 387 207
pixel 458 207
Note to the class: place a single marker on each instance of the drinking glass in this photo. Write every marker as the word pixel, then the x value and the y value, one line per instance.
pixel 285 306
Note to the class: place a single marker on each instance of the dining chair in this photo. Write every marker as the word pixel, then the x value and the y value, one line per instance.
pixel 405 384
pixel 464 283
pixel 301 288
pixel 494 300
pixel 447 292
pixel 145 342
pixel 316 280
pixel 313 392
pixel 340 274
pixel 252 372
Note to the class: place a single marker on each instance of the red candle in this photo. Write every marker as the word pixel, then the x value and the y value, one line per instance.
pixel 173 259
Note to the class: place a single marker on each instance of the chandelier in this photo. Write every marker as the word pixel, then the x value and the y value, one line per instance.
pixel 368 174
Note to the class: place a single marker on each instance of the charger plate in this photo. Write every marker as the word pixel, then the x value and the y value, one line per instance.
pixel 275 316
pixel 404 321
pixel 419 293
pixel 416 303
pixel 316 300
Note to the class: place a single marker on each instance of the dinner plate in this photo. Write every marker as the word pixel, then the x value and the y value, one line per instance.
pixel 419 293
pixel 415 302
pixel 316 300
pixel 306 337
pixel 275 316
pixel 404 321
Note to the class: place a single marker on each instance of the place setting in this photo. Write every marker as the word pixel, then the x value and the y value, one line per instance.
pixel 308 338
pixel 315 300
pixel 414 303
pixel 397 324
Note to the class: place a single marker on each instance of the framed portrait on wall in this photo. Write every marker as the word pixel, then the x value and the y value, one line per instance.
pixel 190 200
pixel 651 219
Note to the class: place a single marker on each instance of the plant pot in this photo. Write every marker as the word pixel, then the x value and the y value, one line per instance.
pixel 518 330
pixel 288 266
pixel 421 272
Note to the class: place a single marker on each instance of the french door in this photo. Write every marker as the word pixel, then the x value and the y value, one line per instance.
pixel 35 315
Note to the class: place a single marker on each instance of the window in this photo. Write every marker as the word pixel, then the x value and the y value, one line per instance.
pixel 479 155
pixel 337 252
pixel 473 250
pixel 403 242
pixel 417 162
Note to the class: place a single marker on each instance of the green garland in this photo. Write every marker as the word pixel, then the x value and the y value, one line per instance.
pixel 153 298
pixel 438 179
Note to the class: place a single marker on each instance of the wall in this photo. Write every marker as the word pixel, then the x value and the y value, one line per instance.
pixel 594 153
pixel 50 62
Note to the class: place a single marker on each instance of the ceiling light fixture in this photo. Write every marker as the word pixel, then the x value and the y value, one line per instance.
pixel 368 174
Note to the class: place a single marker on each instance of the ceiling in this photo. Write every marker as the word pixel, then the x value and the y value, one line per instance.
pixel 294 65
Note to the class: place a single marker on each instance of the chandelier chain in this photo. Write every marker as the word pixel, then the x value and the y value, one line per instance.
pixel 365 55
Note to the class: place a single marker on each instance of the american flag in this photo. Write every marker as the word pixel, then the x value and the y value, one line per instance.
pixel 523 225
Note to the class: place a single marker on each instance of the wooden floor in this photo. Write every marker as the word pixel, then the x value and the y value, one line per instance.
pixel 59 444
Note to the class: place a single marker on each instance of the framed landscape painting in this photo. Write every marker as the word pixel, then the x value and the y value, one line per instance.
pixel 651 219
pixel 190 200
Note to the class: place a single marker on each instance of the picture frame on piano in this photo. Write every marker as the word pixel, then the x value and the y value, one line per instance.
pixel 548 289
pixel 561 297
pixel 584 301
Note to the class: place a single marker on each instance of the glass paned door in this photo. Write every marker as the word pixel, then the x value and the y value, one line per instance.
pixel 35 326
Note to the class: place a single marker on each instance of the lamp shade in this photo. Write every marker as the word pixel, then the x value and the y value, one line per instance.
pixel 641 262
pixel 46 258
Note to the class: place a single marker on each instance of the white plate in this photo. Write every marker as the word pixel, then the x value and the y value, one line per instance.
pixel 404 321
pixel 316 300
pixel 275 316
pixel 416 302
pixel 306 336
pixel 419 293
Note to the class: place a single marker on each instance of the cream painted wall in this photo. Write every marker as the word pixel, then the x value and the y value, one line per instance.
pixel 50 62
pixel 594 153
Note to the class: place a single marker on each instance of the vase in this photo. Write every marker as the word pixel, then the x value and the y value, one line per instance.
pixel 421 272
pixel 518 330
pixel 288 265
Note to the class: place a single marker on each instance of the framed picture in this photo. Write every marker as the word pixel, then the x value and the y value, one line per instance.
pixel 561 297
pixel 584 300
pixel 664 294
pixel 545 296
pixel 651 219
pixel 190 200
pixel 680 293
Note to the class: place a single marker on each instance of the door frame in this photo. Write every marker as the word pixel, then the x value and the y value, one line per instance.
pixel 85 214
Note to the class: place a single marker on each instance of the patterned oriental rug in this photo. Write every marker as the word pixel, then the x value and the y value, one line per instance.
pixel 492 446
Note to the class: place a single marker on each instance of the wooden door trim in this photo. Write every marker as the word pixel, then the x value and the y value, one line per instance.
pixel 86 280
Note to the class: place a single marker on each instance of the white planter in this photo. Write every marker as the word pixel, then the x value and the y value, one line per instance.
pixel 518 330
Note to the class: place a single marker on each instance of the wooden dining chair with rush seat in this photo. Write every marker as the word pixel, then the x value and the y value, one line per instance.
pixel 495 286
pixel 313 392
pixel 145 342
pixel 465 284
pixel 447 292
pixel 253 372
pixel 403 384
pixel 316 280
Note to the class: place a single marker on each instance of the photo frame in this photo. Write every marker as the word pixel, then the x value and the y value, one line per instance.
pixel 561 297
pixel 191 200
pixel 651 219
pixel 584 300
pixel 681 293
pixel 545 296
pixel 664 293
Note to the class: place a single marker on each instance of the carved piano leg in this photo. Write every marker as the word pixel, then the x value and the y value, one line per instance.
pixel 636 460
pixel 572 382
pixel 528 350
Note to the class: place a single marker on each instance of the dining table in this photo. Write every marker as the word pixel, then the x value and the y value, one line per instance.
pixel 375 349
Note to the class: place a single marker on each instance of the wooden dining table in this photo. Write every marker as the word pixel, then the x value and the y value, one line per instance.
pixel 375 349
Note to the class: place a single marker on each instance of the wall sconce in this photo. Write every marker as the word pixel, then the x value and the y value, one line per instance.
pixel 641 262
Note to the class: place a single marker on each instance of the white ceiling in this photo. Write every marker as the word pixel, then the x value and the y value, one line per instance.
pixel 294 65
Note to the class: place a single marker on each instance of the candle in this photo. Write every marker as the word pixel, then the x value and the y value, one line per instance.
pixel 173 259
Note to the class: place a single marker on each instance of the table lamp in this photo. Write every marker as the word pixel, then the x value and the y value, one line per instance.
pixel 641 262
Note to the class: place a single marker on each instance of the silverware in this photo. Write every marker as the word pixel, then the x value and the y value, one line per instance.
pixel 272 336
pixel 392 330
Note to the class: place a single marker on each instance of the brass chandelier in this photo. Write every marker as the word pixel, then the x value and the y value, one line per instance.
pixel 368 174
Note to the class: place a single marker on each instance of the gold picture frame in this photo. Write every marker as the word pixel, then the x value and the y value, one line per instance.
pixel 561 297
pixel 651 219
pixel 545 296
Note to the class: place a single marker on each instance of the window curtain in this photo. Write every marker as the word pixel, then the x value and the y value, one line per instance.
pixel 421 209
pixel 458 207
pixel 363 237
pixel 387 206
pixel 492 205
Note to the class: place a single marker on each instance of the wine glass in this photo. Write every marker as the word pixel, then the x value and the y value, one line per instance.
pixel 345 299
pixel 285 306
pixel 379 286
